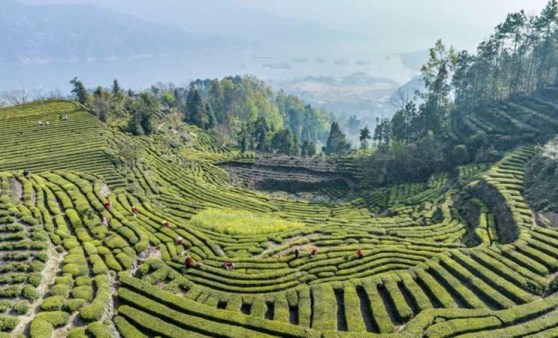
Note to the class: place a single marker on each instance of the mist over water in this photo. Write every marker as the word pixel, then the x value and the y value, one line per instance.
pixel 269 63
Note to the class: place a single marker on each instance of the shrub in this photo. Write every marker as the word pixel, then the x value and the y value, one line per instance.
pixel 99 330
pixel 4 305
pixel 8 323
pixel 52 303
pixel 83 292
pixel 35 279
pixel 72 305
pixel 30 292
pixel 83 280
pixel 78 332
pixel 60 290
pixel 40 329
pixel 21 307
pixel 55 318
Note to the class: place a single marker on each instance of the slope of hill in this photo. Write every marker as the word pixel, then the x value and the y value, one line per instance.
pixel 523 119
pixel 36 137
pixel 80 266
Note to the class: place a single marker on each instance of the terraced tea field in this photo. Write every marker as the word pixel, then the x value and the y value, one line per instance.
pixel 74 265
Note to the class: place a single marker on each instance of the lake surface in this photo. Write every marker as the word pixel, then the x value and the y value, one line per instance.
pixel 273 63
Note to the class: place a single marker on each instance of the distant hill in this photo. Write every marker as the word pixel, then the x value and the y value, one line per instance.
pixel 356 94
pixel 71 33
pixel 229 18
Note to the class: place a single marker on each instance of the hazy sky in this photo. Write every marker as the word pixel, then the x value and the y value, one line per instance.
pixel 398 25
pixel 283 31
pixel 461 22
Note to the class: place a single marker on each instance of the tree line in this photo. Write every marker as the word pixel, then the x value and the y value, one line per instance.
pixel 521 56
pixel 241 111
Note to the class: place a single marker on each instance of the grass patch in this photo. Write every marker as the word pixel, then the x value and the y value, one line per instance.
pixel 241 222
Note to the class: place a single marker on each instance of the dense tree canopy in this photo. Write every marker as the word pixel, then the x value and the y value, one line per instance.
pixel 246 111
pixel 521 56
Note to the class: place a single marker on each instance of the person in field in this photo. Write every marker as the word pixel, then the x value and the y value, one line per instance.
pixel 105 221
pixel 107 204
pixel 40 123
pixel 189 262
pixel 165 224
pixel 314 251
pixel 297 253
pixel 229 265
pixel 179 240
pixel 26 173
pixel 360 253
pixel 134 210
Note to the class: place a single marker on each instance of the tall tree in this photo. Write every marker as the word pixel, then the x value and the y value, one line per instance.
pixel 283 142
pixel 79 91
pixel 436 74
pixel 197 114
pixel 336 142
pixel 101 104
pixel 143 111
pixel 364 137
pixel 260 134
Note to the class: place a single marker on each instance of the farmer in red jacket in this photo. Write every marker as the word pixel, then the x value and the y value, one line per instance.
pixel 189 262
pixel 360 253
pixel 134 210
pixel 107 204
pixel 165 224
pixel 314 252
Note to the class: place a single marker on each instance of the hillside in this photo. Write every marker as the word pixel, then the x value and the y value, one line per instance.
pixel 460 248
pixel 505 124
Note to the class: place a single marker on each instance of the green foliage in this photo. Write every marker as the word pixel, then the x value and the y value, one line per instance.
pixel 52 303
pixel 54 318
pixel 460 155
pixel 143 110
pixel 77 333
pixel 336 142
pixel 29 292
pixel 230 221
pixel 79 91
pixel 541 179
pixel 21 307
pixel 40 328
pixel 8 323
pixel 283 143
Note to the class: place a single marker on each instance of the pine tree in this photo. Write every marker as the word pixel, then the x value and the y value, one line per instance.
pixel 336 142
pixel 282 142
pixel 364 137
pixel 260 133
pixel 211 121
pixel 308 149
pixel 79 91
pixel 116 90
pixel 196 108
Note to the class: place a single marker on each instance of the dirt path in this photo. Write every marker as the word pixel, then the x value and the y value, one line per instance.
pixel 16 189
pixel 105 190
pixel 48 276
pixel 73 322
pixel 113 304
pixel 302 247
